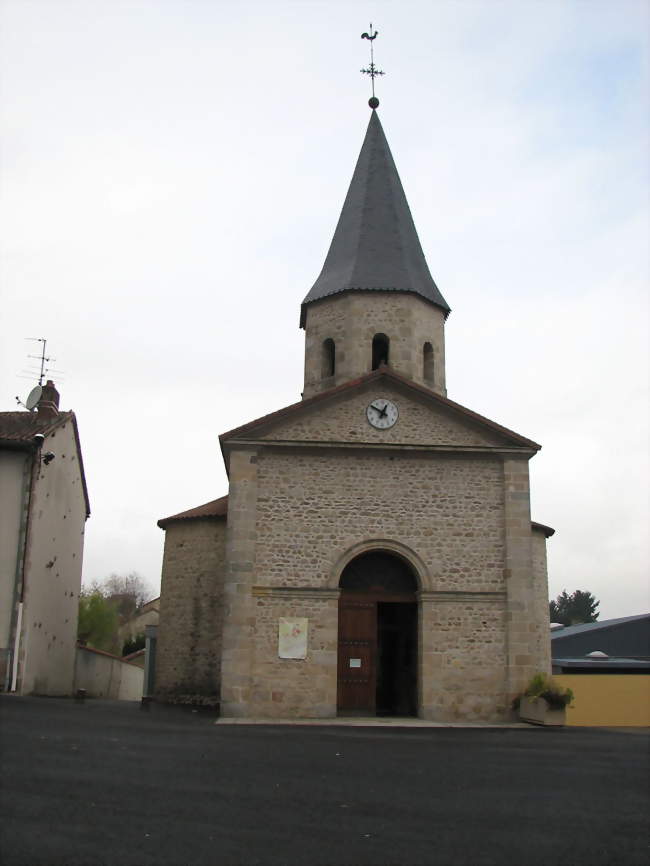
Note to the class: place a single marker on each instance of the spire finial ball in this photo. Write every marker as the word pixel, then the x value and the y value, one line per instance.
pixel 373 102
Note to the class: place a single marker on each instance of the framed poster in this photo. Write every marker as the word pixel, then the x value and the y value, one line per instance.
pixel 292 637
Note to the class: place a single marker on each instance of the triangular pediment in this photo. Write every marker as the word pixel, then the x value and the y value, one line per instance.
pixel 340 415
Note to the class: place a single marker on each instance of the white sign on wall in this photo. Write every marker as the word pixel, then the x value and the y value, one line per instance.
pixel 292 637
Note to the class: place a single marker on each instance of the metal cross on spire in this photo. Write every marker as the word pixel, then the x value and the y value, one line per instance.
pixel 372 70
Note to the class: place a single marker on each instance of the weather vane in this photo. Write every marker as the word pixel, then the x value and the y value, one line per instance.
pixel 372 70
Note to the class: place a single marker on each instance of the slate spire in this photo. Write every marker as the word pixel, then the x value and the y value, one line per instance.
pixel 375 246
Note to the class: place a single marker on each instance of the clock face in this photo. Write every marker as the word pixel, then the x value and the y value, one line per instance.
pixel 382 413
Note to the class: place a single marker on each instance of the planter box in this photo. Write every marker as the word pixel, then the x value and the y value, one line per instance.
pixel 537 712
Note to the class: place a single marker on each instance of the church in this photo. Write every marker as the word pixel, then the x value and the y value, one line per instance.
pixel 375 554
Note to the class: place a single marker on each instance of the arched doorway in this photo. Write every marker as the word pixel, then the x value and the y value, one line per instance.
pixel 377 645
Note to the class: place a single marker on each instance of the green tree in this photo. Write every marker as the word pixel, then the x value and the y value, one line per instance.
pixel 579 607
pixel 98 620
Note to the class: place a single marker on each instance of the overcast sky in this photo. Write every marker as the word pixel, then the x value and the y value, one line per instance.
pixel 172 173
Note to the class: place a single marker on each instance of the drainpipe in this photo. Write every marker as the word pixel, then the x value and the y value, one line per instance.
pixel 151 632
pixel 21 560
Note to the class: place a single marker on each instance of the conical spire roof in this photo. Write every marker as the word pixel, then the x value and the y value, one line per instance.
pixel 375 246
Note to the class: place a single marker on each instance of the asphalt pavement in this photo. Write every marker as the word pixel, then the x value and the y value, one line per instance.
pixel 106 784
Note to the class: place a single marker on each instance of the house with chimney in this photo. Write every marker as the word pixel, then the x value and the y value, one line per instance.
pixel 375 553
pixel 43 510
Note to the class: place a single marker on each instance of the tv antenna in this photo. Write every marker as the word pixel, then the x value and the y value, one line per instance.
pixel 43 370
pixel 42 357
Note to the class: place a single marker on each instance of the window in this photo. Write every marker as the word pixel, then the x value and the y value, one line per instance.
pixel 427 363
pixel 379 350
pixel 328 366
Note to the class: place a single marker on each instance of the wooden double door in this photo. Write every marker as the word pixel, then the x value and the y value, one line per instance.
pixel 377 654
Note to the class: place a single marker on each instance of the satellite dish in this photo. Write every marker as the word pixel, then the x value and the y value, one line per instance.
pixel 34 397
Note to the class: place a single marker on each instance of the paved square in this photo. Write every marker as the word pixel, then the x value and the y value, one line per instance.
pixel 105 783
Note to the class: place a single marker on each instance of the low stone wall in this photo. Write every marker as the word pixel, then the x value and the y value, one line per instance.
pixel 103 675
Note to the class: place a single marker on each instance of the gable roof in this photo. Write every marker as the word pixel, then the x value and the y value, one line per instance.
pixel 375 245
pixel 21 427
pixel 17 430
pixel 215 510
pixel 388 374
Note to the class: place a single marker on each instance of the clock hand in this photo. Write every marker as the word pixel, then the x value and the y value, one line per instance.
pixel 382 414
pixel 376 408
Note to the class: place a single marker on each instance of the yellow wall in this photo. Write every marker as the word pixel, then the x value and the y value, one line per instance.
pixel 616 700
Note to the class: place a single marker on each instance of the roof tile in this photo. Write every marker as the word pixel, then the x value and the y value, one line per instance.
pixel 215 509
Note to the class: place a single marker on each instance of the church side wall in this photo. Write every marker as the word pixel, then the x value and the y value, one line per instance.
pixel 191 612
pixel 541 600
pixel 312 508
pixel 527 622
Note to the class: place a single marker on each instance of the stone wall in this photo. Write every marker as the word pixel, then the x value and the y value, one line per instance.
pixel 540 573
pixel 343 419
pixel 463 657
pixel 526 627
pixel 311 508
pixel 191 611
pixel 295 687
pixel 353 319
pixel 444 511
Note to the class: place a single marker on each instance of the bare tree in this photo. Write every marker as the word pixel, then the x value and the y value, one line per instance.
pixel 127 593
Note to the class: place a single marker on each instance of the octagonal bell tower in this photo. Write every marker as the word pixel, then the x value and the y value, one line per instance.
pixel 375 301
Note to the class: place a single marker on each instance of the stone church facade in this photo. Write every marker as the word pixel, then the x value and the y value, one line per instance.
pixel 375 553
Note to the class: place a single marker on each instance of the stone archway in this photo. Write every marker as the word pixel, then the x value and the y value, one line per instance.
pixel 377 636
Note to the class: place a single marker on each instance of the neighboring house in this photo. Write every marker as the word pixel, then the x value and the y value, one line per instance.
pixel 375 553
pixel 43 510
pixel 148 614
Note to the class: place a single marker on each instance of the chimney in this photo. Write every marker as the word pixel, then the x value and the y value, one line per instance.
pixel 48 405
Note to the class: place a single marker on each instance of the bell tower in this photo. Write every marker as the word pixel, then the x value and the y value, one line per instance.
pixel 374 301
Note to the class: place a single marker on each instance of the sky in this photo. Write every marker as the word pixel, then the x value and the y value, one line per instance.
pixel 171 174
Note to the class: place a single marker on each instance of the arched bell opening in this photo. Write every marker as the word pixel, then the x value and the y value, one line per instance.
pixel 328 358
pixel 378 643
pixel 427 363
pixel 380 350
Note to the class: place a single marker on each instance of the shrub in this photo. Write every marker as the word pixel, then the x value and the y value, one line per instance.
pixel 543 686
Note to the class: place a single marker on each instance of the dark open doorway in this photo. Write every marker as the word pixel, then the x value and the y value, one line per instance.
pixel 377 656
pixel 396 658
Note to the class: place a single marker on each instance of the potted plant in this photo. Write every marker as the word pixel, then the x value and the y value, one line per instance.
pixel 544 702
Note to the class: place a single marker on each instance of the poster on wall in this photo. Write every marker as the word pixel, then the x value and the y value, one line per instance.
pixel 292 637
